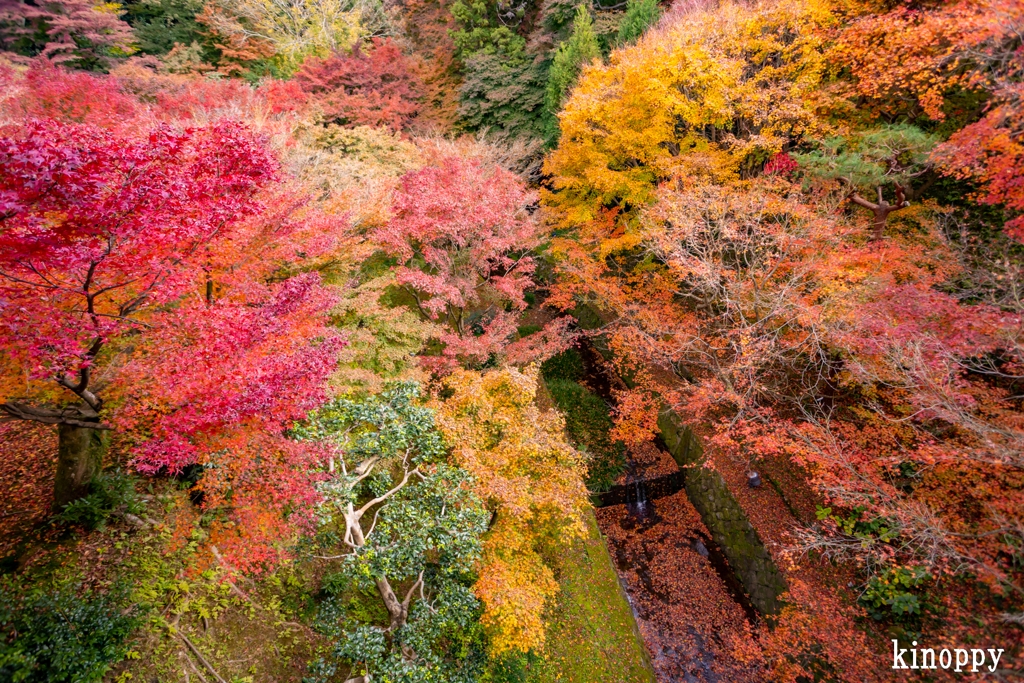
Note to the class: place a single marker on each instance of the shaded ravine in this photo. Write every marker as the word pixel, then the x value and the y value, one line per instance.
pixel 687 616
pixel 689 605
pixel 640 498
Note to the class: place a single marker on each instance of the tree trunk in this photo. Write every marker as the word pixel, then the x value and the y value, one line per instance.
pixel 396 610
pixel 80 452
pixel 878 226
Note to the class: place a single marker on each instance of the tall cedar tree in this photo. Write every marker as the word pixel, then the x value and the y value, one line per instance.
pixel 579 50
pixel 640 15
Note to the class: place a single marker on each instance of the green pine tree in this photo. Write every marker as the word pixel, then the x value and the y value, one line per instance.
pixel 640 15
pixel 161 24
pixel 581 48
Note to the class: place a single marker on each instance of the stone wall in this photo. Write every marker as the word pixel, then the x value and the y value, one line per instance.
pixel 726 520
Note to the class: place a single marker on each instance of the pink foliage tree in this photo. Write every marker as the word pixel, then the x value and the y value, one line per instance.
pixel 79 32
pixel 463 237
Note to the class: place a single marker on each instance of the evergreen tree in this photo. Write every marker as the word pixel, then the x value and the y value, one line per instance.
pixel 639 16
pixel 160 24
pixel 870 163
pixel 581 48
pixel 504 98
pixel 490 28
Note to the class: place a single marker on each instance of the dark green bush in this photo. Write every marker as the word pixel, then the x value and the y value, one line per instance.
pixel 566 365
pixel 62 634
pixel 589 423
pixel 108 492
pixel 897 595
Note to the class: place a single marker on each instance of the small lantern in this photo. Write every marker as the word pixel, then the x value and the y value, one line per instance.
pixel 753 479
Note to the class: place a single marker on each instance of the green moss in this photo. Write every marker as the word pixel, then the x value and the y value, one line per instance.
pixel 592 636
pixel 566 365
pixel 527 330
pixel 589 423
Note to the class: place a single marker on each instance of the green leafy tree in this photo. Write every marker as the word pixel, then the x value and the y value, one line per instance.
pixel 580 49
pixel 159 25
pixel 405 518
pixel 489 27
pixel 869 162
pixel 640 15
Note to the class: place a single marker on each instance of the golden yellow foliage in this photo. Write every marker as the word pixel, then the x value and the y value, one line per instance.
pixel 709 95
pixel 531 477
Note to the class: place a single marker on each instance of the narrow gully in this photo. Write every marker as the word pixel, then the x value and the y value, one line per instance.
pixel 687 600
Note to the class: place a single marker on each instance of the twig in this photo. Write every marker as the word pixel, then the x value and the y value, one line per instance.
pixel 195 670
pixel 200 657
pixel 238 591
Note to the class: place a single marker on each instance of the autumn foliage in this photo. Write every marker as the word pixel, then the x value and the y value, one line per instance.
pixel 531 479
pixel 113 261
pixel 260 260
pixel 726 245
pixel 462 236
pixel 129 291
pixel 377 87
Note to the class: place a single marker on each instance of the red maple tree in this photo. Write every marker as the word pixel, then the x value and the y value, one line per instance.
pixel 100 230
pixel 372 87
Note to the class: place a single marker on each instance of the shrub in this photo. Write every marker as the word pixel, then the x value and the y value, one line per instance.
pixel 62 634
pixel 71 96
pixel 108 492
pixel 893 594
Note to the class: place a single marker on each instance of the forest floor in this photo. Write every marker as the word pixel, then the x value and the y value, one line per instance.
pixel 690 608
pixel 28 458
